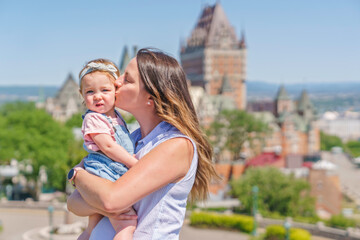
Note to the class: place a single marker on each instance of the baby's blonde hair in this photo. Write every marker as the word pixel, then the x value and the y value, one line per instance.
pixel 99 65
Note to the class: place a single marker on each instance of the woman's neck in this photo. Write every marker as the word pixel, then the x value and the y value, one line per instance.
pixel 148 123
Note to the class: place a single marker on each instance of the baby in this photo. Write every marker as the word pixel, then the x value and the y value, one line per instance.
pixel 106 137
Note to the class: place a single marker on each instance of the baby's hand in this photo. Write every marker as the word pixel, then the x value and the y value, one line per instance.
pixel 81 164
pixel 130 214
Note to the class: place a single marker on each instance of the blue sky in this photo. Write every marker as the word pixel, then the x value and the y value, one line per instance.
pixel 41 42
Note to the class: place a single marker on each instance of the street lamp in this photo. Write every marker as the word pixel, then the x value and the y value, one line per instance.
pixel 51 211
pixel 287 226
pixel 254 191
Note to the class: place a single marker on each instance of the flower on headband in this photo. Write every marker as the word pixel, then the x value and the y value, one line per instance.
pixel 90 67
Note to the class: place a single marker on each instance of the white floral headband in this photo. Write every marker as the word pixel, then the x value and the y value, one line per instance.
pixel 93 66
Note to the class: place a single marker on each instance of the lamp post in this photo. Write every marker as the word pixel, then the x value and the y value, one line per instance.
pixel 254 191
pixel 51 211
pixel 287 226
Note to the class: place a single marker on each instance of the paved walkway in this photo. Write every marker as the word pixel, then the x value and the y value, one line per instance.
pixel 17 222
pixel 21 222
pixel 190 233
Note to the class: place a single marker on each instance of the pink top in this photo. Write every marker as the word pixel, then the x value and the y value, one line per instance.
pixel 97 123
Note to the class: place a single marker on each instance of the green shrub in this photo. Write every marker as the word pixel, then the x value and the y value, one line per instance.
pixel 299 234
pixel 215 209
pixel 277 232
pixel 237 222
pixel 339 221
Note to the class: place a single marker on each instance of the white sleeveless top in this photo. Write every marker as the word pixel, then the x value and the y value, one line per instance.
pixel 160 214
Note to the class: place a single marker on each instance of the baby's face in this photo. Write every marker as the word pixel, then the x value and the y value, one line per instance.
pixel 98 91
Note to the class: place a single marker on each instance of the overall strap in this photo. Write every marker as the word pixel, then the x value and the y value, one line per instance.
pixel 122 119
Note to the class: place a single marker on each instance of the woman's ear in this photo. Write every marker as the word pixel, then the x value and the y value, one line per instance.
pixel 150 101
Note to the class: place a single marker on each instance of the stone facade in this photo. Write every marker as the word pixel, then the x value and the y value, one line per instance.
pixel 67 101
pixel 325 187
pixel 293 124
pixel 213 57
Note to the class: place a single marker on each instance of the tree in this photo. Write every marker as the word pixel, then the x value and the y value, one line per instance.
pixel 28 133
pixel 75 121
pixel 232 128
pixel 328 141
pixel 353 148
pixel 278 193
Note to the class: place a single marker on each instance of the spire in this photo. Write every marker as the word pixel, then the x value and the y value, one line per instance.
pixel 211 27
pixel 242 43
pixel 282 94
pixel 124 60
pixel 70 77
pixel 135 49
pixel 304 101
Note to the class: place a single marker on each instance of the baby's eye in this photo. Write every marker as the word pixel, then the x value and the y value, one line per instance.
pixel 106 90
pixel 89 91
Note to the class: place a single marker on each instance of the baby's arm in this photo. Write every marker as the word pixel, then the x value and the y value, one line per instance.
pixel 113 150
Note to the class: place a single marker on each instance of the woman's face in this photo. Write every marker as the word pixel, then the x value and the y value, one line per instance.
pixel 131 96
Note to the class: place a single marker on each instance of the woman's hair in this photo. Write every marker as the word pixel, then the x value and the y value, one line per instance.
pixel 165 80
pixel 99 65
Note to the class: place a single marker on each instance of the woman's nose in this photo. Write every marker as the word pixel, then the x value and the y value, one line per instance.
pixel 118 82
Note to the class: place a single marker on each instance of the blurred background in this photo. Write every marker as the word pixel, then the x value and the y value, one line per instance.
pixel 276 86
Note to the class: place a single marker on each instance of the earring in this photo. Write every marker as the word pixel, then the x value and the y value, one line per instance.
pixel 148 103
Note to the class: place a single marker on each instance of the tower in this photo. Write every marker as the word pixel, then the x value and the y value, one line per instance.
pixel 283 103
pixel 213 54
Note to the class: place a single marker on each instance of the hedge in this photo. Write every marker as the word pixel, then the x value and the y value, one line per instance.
pixel 340 221
pixel 236 222
pixel 277 232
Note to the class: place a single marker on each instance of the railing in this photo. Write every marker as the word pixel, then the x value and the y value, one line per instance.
pixel 318 229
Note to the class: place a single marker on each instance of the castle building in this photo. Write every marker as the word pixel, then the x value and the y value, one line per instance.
pixel 293 123
pixel 213 58
pixel 67 101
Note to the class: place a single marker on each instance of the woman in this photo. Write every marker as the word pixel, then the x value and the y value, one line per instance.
pixel 175 158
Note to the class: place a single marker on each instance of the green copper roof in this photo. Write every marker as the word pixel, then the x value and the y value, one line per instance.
pixel 124 60
pixel 304 102
pixel 282 94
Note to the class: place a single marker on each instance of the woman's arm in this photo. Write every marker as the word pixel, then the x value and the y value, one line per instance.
pixel 166 163
pixel 77 205
pixel 113 150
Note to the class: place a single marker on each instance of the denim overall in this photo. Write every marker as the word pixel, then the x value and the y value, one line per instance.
pixel 99 164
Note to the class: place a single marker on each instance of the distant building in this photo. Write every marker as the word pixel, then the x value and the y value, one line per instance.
pixel 226 171
pixel 126 56
pixel 67 101
pixel 266 159
pixel 344 125
pixel 325 187
pixel 214 59
pixel 293 124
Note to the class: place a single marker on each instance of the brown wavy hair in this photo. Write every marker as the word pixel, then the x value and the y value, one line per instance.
pixel 166 81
